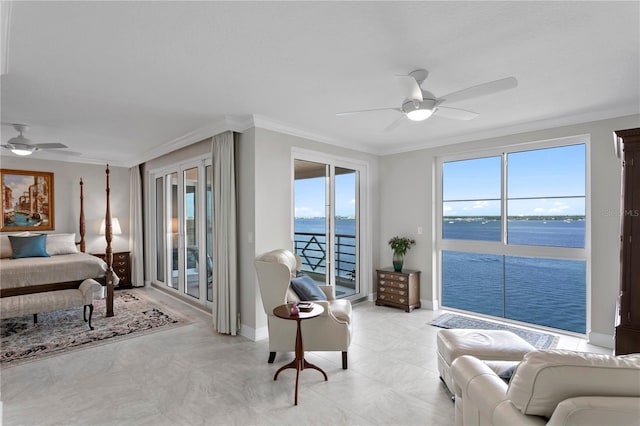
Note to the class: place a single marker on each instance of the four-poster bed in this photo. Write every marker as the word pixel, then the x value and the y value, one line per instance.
pixel 38 284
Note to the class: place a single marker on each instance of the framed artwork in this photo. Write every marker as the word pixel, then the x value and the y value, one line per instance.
pixel 27 201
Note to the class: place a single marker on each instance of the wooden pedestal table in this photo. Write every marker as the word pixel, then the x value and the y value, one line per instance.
pixel 299 363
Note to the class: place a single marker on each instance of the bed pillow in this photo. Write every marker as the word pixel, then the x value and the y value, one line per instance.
pixel 33 246
pixel 5 244
pixel 306 288
pixel 61 244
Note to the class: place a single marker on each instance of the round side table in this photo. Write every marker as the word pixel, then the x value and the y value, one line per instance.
pixel 299 363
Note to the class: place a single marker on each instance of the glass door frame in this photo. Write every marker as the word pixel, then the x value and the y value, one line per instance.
pixel 201 163
pixel 364 252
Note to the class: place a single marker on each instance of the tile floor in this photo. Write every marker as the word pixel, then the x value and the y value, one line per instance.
pixel 190 375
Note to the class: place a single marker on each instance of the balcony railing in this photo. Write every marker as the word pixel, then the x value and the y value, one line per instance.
pixel 312 249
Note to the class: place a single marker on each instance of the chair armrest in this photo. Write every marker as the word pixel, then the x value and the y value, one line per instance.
pixel 597 410
pixel 329 291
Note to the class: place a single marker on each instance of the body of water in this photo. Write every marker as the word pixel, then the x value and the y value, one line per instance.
pixel 548 292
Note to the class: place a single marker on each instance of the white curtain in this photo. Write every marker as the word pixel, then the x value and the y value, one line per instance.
pixel 225 304
pixel 135 230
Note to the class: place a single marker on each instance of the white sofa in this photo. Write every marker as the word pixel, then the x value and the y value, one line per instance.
pixel 555 387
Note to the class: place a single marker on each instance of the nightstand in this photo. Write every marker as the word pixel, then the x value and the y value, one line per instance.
pixel 121 266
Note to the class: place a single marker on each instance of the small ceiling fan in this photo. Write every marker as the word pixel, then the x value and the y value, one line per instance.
pixel 422 104
pixel 20 145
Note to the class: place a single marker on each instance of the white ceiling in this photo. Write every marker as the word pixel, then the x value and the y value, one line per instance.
pixel 123 82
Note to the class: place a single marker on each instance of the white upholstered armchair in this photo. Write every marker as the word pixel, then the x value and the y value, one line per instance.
pixel 331 331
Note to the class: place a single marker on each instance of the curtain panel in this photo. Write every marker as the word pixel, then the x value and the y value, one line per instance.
pixel 225 305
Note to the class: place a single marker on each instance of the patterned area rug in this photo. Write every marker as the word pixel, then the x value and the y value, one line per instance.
pixel 61 331
pixel 538 339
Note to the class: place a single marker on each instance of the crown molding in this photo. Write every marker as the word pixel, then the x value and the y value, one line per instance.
pixel 5 22
pixel 227 123
pixel 281 127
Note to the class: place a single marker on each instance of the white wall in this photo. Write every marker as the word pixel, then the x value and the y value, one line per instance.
pixel 66 179
pixel 271 223
pixel 408 182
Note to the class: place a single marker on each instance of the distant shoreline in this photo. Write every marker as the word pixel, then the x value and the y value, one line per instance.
pixel 470 218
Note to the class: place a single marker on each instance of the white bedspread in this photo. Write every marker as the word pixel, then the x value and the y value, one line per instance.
pixel 30 271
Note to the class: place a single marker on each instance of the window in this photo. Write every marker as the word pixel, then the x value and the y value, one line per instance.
pixel 182 226
pixel 513 237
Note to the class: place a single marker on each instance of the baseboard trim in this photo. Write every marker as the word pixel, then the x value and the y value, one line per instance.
pixel 432 305
pixel 254 334
pixel 601 339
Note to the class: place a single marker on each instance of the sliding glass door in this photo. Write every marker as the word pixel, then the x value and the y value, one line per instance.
pixel 183 227
pixel 327 224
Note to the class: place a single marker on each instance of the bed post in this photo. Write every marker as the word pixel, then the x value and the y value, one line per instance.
pixel 82 242
pixel 108 252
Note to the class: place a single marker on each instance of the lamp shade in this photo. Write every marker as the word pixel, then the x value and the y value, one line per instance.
pixel 115 227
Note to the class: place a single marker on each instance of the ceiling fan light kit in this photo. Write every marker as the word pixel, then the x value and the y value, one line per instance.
pixel 22 146
pixel 422 104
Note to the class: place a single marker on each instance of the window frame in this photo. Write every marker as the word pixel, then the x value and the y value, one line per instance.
pixel 501 247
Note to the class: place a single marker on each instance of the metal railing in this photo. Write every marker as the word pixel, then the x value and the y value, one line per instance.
pixel 312 249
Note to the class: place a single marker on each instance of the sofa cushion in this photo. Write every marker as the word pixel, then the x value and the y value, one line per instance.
pixel 32 246
pixel 545 378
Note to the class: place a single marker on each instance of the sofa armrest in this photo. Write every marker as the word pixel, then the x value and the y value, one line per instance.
pixel 484 395
pixel 597 410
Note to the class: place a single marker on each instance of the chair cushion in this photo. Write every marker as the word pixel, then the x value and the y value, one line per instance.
pixel 32 246
pixel 545 378
pixel 306 288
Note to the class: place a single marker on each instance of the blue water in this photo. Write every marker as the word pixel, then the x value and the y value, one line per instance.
pixel 548 292
pixel 312 249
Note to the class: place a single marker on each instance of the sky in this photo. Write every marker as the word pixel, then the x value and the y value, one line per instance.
pixel 309 196
pixel 553 179
pixel 19 185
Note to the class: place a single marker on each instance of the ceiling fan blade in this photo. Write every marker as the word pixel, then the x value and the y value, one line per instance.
pixel 367 110
pixel 481 90
pixel 395 123
pixel 66 153
pixel 50 145
pixel 455 113
pixel 413 82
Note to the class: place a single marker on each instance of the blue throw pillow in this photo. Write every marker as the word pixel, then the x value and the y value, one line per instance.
pixel 33 246
pixel 306 288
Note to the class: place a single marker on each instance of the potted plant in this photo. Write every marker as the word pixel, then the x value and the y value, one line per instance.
pixel 400 245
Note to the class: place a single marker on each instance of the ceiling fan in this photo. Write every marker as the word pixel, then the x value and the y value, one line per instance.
pixel 422 104
pixel 20 145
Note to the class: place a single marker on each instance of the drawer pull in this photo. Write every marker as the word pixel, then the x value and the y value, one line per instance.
pixel 401 300
pixel 402 286
pixel 382 296
pixel 402 278
pixel 382 282
pixel 382 275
